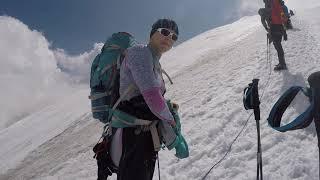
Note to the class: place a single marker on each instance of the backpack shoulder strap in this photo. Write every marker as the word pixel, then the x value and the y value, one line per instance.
pixel 111 47
pixel 129 89
pixel 165 73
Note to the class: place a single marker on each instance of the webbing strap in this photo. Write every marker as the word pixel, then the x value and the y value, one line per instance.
pixel 99 95
pixel 155 136
pixel 137 122
pixel 113 47
pixel 99 108
pixel 302 121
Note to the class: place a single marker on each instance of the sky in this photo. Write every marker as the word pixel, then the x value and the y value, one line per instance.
pixel 76 25
pixel 54 139
pixel 46 47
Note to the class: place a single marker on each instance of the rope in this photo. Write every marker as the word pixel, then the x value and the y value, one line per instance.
pixel 269 61
pixel 229 149
pixel 246 123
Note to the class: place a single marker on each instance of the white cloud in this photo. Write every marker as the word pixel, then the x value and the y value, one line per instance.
pixel 248 7
pixel 77 67
pixel 31 74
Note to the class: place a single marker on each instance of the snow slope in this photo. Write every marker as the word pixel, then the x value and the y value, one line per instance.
pixel 209 74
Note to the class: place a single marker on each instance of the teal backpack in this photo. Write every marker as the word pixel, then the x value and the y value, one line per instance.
pixel 105 73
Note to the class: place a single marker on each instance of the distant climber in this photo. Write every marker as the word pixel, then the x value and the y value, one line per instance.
pixel 272 21
pixel 287 23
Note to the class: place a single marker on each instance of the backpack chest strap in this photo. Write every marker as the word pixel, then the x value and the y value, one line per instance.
pixel 141 126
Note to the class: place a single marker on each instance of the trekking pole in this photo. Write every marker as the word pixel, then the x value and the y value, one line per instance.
pixel 268 54
pixel 251 101
pixel 314 81
pixel 256 109
pixel 267 49
pixel 317 124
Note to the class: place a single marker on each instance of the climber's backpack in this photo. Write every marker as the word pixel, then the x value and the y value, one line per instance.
pixel 105 73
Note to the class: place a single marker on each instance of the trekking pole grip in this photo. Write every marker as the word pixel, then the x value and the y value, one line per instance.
pixel 256 101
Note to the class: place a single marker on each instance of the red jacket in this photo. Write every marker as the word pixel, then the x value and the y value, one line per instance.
pixel 276 12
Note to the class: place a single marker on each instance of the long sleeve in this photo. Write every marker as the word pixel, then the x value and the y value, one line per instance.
pixel 140 63
pixel 262 12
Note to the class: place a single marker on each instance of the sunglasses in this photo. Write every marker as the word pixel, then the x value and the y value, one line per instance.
pixel 166 32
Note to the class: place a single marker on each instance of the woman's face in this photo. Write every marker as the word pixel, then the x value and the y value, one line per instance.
pixel 161 42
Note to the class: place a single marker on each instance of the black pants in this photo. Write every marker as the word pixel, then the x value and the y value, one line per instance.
pixel 138 156
pixel 276 35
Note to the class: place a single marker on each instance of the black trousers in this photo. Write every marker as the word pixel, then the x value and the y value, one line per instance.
pixel 138 156
pixel 276 35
